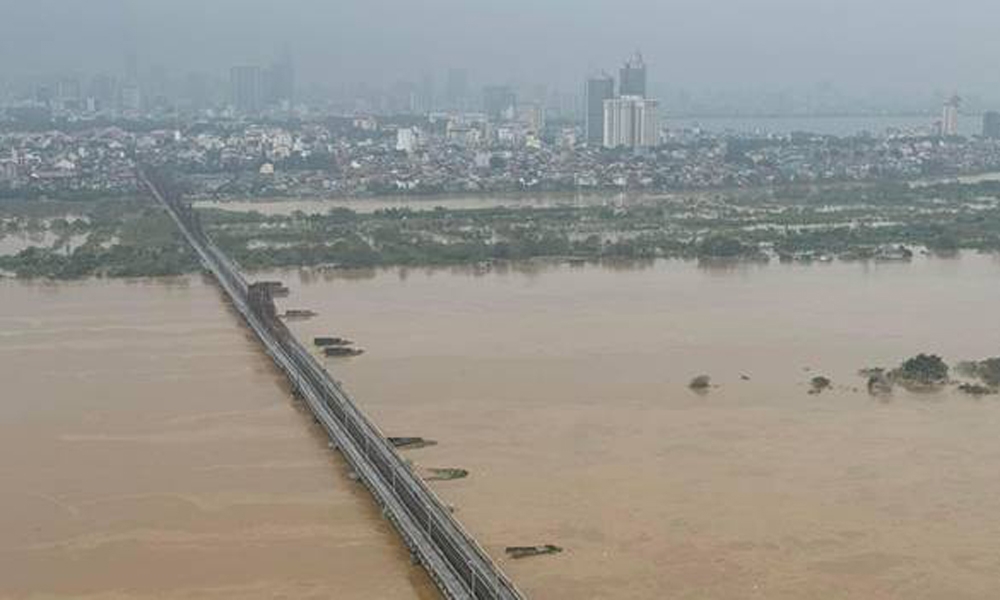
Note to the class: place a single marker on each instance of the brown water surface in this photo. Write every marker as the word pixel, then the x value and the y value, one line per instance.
pixel 564 392
pixel 288 206
pixel 148 449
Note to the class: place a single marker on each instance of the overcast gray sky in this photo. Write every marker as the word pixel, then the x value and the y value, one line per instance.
pixel 867 46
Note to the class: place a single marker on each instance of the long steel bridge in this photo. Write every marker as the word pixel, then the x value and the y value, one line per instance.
pixel 458 565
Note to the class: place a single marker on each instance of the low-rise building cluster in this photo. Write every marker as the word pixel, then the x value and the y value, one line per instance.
pixel 465 153
pixel 91 163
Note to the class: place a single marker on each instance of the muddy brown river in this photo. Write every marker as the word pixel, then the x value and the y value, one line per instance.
pixel 148 449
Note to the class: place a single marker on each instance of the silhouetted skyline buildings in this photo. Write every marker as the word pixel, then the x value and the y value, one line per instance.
pixel 597 90
pixel 632 77
pixel 138 87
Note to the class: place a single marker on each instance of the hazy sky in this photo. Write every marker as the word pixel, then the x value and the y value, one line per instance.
pixel 867 46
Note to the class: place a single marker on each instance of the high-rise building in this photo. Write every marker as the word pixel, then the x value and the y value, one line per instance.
pixel 279 81
pixel 102 90
pixel 567 106
pixel 197 91
pixel 403 98
pixel 130 99
pixel 499 102
pixel 407 139
pixel 457 88
pixel 159 91
pixel 632 77
pixel 68 91
pixel 991 125
pixel 598 89
pixel 532 116
pixel 247 88
pixel 631 122
pixel 949 116
pixel 426 98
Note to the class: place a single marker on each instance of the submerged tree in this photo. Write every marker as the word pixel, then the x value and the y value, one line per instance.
pixel 925 369
pixel 819 384
pixel 700 383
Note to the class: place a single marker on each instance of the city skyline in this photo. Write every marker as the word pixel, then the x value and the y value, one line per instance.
pixel 778 47
pixel 279 85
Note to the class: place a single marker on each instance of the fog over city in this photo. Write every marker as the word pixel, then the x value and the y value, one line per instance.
pixel 887 48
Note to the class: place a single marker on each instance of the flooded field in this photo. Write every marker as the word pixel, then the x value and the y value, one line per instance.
pixel 148 449
pixel 370 205
pixel 563 390
pixel 14 243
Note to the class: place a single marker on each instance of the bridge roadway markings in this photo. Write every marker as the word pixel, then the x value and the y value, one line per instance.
pixel 455 561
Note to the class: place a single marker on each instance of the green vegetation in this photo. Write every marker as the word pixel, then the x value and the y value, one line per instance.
pixel 850 223
pixel 876 223
pixel 929 371
pixel 878 382
pixel 120 238
pixel 988 371
pixel 923 369
pixel 721 246
pixel 819 384
pixel 700 383
pixel 975 389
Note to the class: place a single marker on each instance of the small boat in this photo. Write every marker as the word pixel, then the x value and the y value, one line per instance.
pixel 410 443
pixel 324 342
pixel 297 313
pixel 529 551
pixel 342 351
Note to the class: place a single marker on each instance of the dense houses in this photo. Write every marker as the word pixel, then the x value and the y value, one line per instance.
pixel 92 163
pixel 465 153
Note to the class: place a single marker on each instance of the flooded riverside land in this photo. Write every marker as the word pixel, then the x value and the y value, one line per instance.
pixel 319 206
pixel 149 449
pixel 563 391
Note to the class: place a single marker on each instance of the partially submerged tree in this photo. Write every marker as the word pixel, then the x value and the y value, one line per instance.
pixel 700 383
pixel 819 384
pixel 925 369
pixel 987 371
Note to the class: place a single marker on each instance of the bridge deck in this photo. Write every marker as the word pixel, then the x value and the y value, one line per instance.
pixel 457 564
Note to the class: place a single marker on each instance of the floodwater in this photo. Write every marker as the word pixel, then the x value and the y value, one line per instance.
pixel 148 449
pixel 991 177
pixel 563 390
pixel 11 244
pixel 321 206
